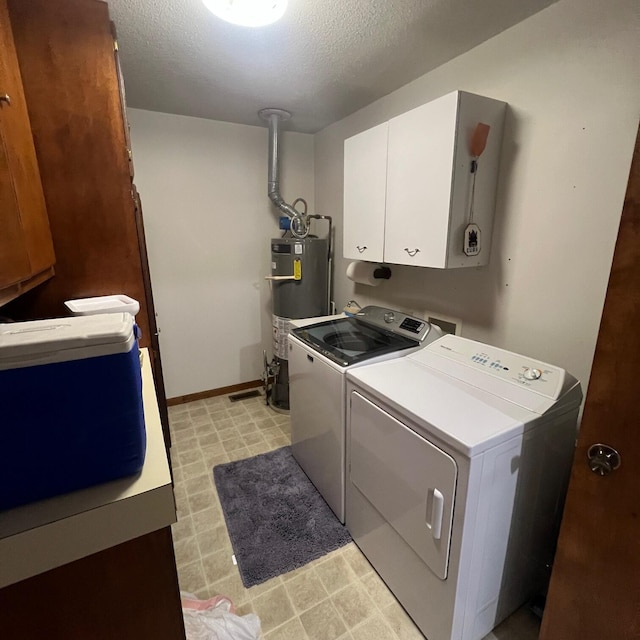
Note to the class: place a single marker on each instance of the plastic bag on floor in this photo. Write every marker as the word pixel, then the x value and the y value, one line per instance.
pixel 215 619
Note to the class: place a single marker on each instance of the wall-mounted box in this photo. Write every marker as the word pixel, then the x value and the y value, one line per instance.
pixel 409 185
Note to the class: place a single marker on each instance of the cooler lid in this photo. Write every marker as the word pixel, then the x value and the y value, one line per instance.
pixel 61 339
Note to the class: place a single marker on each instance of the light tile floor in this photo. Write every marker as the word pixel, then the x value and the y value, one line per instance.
pixel 337 597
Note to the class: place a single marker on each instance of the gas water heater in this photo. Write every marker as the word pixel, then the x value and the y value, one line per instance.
pixel 300 270
pixel 300 289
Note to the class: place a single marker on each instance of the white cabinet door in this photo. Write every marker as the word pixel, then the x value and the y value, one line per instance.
pixel 419 179
pixel 365 181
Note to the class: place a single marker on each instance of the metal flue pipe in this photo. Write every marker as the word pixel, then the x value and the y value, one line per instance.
pixel 299 224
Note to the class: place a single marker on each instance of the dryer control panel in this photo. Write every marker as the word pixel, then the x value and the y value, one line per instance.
pixel 516 369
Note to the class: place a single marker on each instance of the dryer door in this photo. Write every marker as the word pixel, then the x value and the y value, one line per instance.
pixel 410 481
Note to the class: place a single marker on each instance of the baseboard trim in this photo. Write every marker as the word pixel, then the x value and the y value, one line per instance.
pixel 211 393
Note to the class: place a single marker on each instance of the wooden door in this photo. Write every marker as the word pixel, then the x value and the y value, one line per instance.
pixel 595 584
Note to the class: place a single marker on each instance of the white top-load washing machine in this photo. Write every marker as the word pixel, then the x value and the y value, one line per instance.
pixel 458 460
pixel 319 356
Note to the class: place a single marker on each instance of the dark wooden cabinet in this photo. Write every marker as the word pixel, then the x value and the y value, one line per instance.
pixel 127 592
pixel 65 51
pixel 67 60
pixel 26 248
pixel 67 55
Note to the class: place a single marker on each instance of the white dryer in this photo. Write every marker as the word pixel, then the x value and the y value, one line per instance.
pixel 458 460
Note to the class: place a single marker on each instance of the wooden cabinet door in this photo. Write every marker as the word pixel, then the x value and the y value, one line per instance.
pixel 123 99
pixel 127 592
pixel 365 183
pixel 14 259
pixel 66 53
pixel 154 342
pixel 26 248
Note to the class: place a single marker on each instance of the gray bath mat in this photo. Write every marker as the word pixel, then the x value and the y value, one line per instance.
pixel 277 520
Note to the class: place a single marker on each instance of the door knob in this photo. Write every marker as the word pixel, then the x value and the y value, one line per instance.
pixel 603 459
pixel 5 97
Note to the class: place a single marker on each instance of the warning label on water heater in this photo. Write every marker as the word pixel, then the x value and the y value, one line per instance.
pixel 281 327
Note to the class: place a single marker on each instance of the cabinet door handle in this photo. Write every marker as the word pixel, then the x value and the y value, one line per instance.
pixel 6 98
pixel 412 253
pixel 361 249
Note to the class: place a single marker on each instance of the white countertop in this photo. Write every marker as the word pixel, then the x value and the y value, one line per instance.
pixel 37 537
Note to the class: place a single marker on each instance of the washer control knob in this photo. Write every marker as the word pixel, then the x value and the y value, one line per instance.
pixel 532 374
pixel 389 317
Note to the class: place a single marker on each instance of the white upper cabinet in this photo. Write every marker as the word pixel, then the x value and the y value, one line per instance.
pixel 424 200
pixel 419 170
pixel 365 185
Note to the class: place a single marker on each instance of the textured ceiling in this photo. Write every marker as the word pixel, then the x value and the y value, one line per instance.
pixel 324 60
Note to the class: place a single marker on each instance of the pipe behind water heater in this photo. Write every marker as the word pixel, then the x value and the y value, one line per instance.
pixel 299 222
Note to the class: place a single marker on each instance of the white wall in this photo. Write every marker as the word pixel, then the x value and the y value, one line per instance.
pixel 208 222
pixel 571 77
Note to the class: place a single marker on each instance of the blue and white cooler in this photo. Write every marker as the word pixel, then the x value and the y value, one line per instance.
pixel 71 413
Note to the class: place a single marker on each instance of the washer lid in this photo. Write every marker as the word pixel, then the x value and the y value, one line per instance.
pixel 347 341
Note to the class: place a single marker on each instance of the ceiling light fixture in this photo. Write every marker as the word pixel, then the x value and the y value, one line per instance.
pixel 248 13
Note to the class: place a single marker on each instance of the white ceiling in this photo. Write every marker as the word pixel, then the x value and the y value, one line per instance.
pixel 324 60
